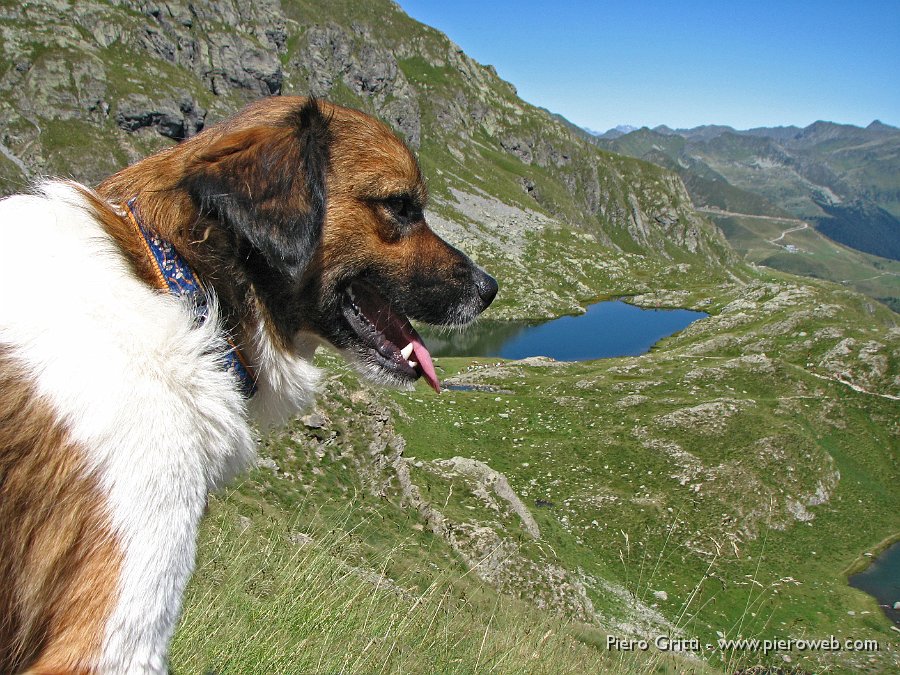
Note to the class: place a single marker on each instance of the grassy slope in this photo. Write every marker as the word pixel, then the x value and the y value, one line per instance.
pixel 817 256
pixel 315 564
pixel 682 471
pixel 268 597
pixel 593 443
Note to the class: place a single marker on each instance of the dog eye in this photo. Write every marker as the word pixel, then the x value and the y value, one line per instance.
pixel 403 210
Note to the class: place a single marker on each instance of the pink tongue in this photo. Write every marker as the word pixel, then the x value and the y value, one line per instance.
pixel 398 330
pixel 424 358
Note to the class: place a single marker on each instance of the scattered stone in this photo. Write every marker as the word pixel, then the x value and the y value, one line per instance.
pixel 799 511
pixel 300 539
pixel 267 463
pixel 486 478
pixel 314 420
pixel 710 418
pixel 381 582
pixel 631 400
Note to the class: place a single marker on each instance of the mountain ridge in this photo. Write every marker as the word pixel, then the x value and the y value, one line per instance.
pixel 714 129
pixel 843 179
pixel 842 161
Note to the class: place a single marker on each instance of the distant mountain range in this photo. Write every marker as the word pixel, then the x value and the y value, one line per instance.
pixel 615 132
pixel 842 178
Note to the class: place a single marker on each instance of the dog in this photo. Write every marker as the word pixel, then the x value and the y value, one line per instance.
pixel 147 323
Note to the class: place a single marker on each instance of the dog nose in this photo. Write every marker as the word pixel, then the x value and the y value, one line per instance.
pixel 487 287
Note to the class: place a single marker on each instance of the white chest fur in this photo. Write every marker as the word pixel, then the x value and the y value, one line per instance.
pixel 139 388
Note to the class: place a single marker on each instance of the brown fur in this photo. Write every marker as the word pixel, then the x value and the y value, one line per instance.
pixel 59 562
pixel 368 163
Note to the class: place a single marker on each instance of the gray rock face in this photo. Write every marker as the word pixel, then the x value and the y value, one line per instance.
pixel 519 148
pixel 173 120
pixel 333 55
pixel 212 40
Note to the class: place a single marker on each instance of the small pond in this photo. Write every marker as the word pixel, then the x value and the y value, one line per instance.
pixel 881 580
pixel 607 329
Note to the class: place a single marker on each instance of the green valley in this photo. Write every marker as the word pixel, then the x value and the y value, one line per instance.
pixel 839 179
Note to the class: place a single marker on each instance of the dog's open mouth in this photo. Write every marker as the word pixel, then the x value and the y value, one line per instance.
pixel 393 343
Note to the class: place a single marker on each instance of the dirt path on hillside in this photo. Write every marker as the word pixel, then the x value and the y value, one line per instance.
pixel 778 219
pixel 781 236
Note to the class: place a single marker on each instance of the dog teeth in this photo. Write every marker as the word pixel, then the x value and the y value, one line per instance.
pixel 412 364
pixel 406 351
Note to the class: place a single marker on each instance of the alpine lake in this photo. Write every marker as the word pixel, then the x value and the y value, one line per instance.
pixel 607 329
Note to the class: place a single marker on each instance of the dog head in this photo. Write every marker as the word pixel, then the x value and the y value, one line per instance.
pixel 321 208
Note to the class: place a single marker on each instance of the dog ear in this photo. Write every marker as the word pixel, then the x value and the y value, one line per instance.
pixel 266 185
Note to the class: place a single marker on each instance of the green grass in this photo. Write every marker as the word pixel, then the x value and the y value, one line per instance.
pixel 272 596
pixel 302 571
pixel 613 506
pixel 74 140
pixel 420 71
pixel 321 564
pixel 816 256
pixel 11 177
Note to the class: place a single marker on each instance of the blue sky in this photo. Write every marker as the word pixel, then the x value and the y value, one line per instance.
pixel 684 62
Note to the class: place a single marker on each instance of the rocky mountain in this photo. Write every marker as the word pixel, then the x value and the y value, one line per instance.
pixel 814 173
pixel 87 87
pixel 820 201
pixel 615 132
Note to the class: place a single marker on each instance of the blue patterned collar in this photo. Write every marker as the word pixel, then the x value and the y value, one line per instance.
pixel 176 276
